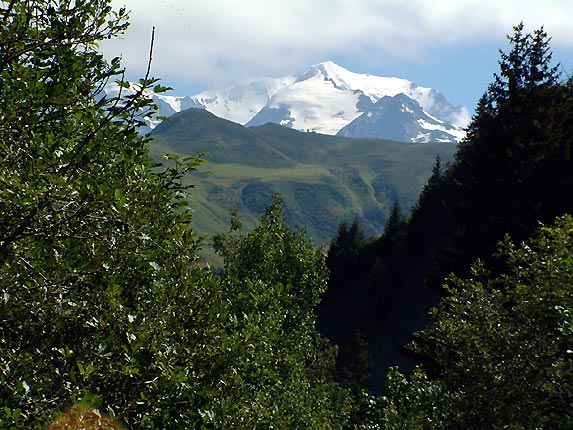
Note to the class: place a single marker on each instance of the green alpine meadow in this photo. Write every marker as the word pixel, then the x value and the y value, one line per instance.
pixel 322 179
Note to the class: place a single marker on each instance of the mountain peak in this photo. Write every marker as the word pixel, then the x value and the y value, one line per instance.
pixel 329 68
pixel 401 118
pixel 327 97
pixel 323 98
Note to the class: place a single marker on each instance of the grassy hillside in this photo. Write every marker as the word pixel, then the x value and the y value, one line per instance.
pixel 323 179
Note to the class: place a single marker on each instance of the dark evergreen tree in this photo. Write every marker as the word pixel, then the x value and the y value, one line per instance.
pixel 383 271
pixel 430 220
pixel 394 225
pixel 513 164
pixel 344 255
pixel 429 191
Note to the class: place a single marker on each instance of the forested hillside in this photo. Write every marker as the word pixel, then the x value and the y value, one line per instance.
pixel 108 320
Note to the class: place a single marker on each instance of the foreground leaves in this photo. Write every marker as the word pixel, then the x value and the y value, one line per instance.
pixel 502 346
pixel 102 302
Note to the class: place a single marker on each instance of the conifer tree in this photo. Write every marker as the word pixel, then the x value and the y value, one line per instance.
pixel 504 168
pixel 393 226
pixel 345 254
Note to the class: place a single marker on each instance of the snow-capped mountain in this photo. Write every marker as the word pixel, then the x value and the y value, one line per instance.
pixel 324 98
pixel 401 118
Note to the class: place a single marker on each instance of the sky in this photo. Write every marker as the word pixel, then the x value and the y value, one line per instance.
pixel 449 45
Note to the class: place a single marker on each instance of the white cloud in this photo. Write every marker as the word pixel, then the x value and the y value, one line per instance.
pixel 207 41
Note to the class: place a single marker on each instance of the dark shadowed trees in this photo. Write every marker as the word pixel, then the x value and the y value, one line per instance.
pixel 511 170
pixel 501 345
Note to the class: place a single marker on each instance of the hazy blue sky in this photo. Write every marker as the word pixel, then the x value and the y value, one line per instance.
pixel 449 45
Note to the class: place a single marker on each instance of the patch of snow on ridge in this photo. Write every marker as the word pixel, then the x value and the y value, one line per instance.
pixel 456 132
pixel 406 109
pixel 421 138
pixel 173 101
pixel 240 103
pixel 433 118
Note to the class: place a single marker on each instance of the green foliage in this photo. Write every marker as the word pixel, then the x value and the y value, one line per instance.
pixel 388 243
pixel 430 220
pixel 344 256
pixel 95 244
pixel 102 302
pixel 275 278
pixel 502 345
pixel 348 243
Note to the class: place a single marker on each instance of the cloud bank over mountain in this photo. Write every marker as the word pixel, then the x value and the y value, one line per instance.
pixel 217 42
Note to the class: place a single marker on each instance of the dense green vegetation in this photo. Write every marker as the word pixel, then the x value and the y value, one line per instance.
pixel 512 172
pixel 500 345
pixel 104 305
pixel 102 301
pixel 322 179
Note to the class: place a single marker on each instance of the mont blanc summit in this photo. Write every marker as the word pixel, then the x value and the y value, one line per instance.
pixel 325 98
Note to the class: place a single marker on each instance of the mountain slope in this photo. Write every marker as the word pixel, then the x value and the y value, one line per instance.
pixel 323 179
pixel 196 130
pixel 403 119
